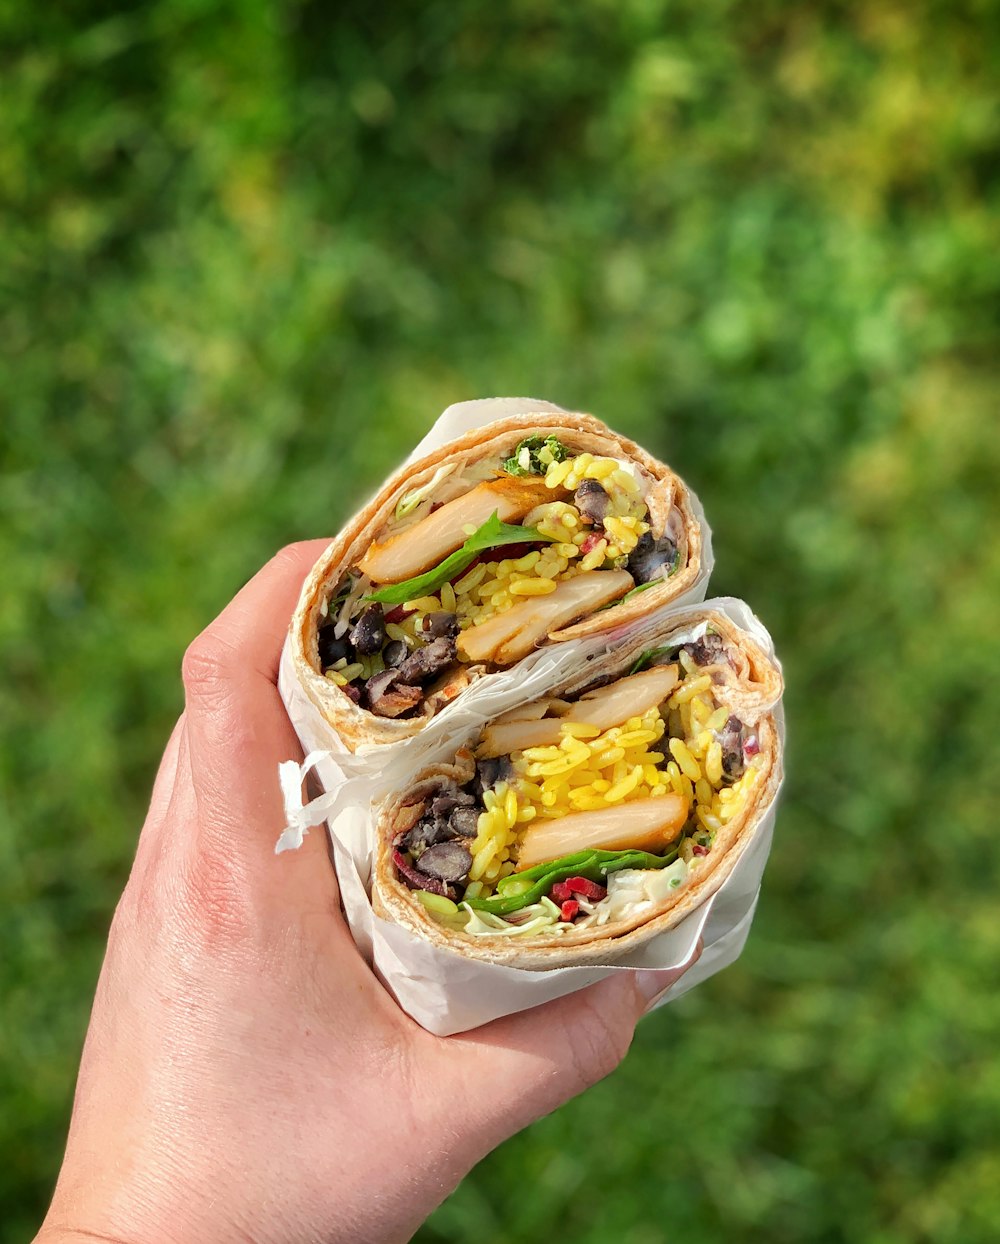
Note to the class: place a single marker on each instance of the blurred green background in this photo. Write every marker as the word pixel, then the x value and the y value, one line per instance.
pixel 250 250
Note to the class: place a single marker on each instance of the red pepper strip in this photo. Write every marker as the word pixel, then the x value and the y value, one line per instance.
pixel 398 614
pixel 698 849
pixel 569 909
pixel 585 888
pixel 577 886
pixel 591 542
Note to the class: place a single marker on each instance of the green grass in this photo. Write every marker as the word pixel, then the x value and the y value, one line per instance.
pixel 250 250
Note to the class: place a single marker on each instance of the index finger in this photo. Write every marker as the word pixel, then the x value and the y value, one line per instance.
pixel 237 724
pixel 253 625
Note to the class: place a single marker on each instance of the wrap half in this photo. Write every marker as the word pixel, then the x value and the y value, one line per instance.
pixel 539 527
pixel 578 826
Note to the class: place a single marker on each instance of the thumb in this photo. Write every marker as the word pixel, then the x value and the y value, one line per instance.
pixel 553 1052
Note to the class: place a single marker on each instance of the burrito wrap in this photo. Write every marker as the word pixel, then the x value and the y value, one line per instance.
pixel 751 691
pixel 581 434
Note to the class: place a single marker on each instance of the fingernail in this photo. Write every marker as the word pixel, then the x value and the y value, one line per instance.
pixel 653 984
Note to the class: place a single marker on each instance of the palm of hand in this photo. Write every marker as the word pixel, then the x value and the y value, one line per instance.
pixel 245 1075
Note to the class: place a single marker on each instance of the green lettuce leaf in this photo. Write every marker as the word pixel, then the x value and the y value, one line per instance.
pixel 534 445
pixel 491 535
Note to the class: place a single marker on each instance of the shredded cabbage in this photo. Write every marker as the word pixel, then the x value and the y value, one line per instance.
pixel 543 915
pixel 409 501
pixel 352 598
pixel 632 890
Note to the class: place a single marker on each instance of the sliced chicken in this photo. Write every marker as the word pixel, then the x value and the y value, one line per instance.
pixel 606 707
pixel 526 712
pixel 508 636
pixel 447 687
pixel 645 825
pixel 426 543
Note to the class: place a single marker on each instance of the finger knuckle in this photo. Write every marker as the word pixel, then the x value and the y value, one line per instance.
pixel 215 898
pixel 207 666
pixel 290 557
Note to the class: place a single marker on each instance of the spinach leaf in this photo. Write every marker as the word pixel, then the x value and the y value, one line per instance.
pixel 492 534
pixel 650 655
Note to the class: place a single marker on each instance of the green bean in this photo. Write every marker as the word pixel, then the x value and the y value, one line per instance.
pixel 594 865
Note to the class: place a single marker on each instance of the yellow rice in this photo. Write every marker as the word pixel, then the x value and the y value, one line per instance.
pixel 493 587
pixel 589 769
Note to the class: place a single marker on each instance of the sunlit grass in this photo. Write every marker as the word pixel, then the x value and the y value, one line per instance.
pixel 251 254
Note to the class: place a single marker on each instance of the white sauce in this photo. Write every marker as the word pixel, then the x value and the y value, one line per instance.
pixel 633 892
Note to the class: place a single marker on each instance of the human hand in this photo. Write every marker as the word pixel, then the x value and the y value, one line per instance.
pixel 245 1075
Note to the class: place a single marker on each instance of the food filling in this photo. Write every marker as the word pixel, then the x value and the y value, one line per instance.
pixel 589 811
pixel 479 564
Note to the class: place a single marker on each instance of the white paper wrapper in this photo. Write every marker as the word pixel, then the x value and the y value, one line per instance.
pixel 442 990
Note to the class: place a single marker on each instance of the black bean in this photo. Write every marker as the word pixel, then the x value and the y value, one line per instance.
pixel 417 880
pixel 450 797
pixel 708 650
pixel 427 831
pixel 731 741
pixel 489 772
pixel 652 559
pixel 394 653
pixel 440 625
pixel 424 663
pixel 331 649
pixel 591 500
pixel 448 861
pixel 464 822
pixel 368 633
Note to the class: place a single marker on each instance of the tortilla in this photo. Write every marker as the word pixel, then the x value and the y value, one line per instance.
pixel 668 501
pixel 749 685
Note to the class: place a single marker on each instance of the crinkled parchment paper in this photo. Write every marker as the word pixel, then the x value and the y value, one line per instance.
pixel 442 990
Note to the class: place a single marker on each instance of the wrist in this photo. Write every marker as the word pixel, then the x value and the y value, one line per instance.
pixel 117 1215
pixel 101 1210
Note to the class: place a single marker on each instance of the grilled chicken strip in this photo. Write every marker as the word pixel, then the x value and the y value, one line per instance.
pixel 424 544
pixel 506 637
pixel 606 707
